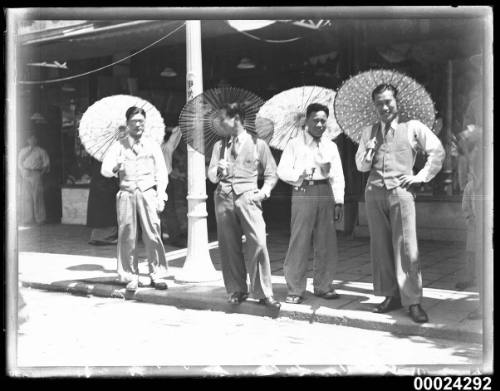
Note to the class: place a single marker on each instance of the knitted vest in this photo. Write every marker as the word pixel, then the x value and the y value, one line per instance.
pixel 393 157
pixel 139 170
pixel 242 171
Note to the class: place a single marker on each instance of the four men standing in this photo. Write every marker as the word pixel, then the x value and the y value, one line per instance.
pixel 312 165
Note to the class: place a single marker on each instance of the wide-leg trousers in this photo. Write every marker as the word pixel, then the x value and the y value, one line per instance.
pixel 33 203
pixel 237 215
pixel 393 243
pixel 311 224
pixel 133 207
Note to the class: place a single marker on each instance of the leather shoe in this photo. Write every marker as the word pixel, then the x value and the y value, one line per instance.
pixel 418 314
pixel 238 297
pixel 293 299
pixel 270 302
pixel 330 295
pixel 159 284
pixel 390 303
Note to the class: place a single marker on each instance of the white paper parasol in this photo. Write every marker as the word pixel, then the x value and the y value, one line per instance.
pixel 101 122
pixel 354 107
pixel 200 118
pixel 286 113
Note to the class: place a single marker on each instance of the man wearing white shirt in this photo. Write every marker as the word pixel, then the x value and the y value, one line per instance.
pixel 235 167
pixel 139 164
pixel 388 150
pixel 312 165
pixel 33 163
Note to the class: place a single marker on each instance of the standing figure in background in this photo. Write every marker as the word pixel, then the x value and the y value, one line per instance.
pixel 312 165
pixel 388 150
pixel 33 162
pixel 139 164
pixel 470 141
pixel 101 209
pixel 235 167
pixel 170 225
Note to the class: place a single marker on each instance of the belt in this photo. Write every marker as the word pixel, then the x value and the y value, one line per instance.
pixel 307 182
pixel 310 182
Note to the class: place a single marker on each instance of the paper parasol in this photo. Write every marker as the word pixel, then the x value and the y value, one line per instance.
pixel 354 108
pixel 286 112
pixel 200 118
pixel 101 122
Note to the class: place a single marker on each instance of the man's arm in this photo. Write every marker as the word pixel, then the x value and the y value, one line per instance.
pixel 110 161
pixel 432 146
pixel 160 173
pixel 45 161
pixel 212 168
pixel 269 164
pixel 288 171
pixel 172 143
pixel 361 164
pixel 337 180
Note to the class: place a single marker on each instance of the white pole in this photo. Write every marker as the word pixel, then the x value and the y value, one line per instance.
pixel 198 266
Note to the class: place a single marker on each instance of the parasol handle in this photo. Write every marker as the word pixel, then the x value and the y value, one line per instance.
pixel 369 155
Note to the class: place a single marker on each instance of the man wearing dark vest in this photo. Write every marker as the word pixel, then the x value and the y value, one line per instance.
pixel 235 166
pixel 139 164
pixel 388 150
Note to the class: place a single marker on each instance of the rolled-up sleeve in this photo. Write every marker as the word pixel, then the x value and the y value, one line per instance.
pixel 45 161
pixel 269 165
pixel 336 178
pixel 110 160
pixel 427 141
pixel 361 164
pixel 161 174
pixel 288 170
pixel 214 161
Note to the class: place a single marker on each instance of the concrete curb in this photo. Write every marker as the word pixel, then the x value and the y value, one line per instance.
pixel 213 297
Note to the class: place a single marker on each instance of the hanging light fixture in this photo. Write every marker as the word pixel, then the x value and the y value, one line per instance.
pixel 168 72
pixel 245 63
pixel 68 88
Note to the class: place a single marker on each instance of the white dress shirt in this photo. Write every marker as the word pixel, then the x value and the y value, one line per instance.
pixel 169 146
pixel 420 137
pixel 304 153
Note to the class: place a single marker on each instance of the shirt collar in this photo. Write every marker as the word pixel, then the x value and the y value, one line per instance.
pixel 394 123
pixel 308 139
pixel 131 140
pixel 241 137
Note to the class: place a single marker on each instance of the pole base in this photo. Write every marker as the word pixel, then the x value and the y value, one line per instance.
pixel 198 272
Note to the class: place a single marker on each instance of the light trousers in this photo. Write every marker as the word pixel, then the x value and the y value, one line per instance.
pixel 237 215
pixel 312 224
pixel 393 243
pixel 133 207
pixel 33 203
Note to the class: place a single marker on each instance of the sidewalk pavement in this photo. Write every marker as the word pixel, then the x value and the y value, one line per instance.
pixel 58 258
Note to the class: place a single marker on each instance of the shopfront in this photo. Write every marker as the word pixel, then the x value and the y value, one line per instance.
pixel 445 55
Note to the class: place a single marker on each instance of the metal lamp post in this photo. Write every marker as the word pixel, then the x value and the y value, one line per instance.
pixel 198 266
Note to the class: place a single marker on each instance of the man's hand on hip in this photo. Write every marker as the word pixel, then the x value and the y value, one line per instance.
pixel 406 181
